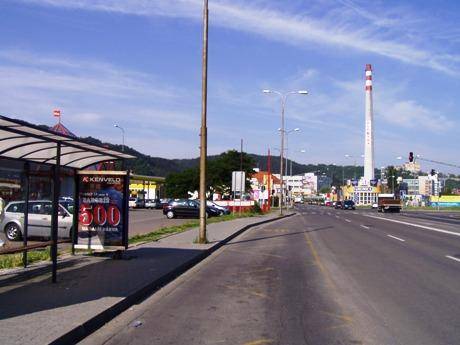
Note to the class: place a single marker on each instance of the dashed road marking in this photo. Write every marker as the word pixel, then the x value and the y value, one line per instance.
pixel 396 238
pixel 365 227
pixel 348 220
pixel 417 225
pixel 453 258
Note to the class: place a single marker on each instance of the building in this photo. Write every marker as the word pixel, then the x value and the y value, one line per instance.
pixel 324 181
pixel 361 195
pixel 146 187
pixel 413 186
pixel 413 167
pixel 261 183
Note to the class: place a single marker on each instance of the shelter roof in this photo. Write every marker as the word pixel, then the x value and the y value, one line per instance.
pixel 27 142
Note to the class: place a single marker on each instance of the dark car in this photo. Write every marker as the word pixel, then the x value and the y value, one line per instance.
pixel 348 205
pixel 187 209
pixel 163 203
pixel 338 204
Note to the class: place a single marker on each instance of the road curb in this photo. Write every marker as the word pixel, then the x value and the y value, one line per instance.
pixel 83 330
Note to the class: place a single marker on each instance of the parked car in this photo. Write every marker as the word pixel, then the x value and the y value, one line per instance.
pixel 140 203
pixel 348 205
pixel 223 210
pixel 132 202
pixel 328 203
pixel 152 203
pixel 187 208
pixel 338 204
pixel 40 211
pixel 164 203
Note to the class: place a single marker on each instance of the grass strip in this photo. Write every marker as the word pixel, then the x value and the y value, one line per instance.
pixel 15 260
pixel 169 230
pixel 432 208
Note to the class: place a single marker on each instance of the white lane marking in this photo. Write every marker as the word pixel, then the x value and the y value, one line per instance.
pixel 329 214
pixel 365 227
pixel 417 225
pixel 397 238
pixel 337 217
pixel 355 212
pixel 348 220
pixel 451 257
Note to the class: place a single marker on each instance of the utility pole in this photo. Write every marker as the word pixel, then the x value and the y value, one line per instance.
pixel 203 132
pixel 269 180
pixel 241 176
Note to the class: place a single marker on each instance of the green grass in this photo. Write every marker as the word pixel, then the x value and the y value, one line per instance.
pixel 432 208
pixel 15 260
pixel 169 230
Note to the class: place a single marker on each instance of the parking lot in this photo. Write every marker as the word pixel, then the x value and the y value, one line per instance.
pixel 141 221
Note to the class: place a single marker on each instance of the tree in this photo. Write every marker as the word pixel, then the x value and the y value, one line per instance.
pixel 219 175
pixel 325 190
pixel 178 185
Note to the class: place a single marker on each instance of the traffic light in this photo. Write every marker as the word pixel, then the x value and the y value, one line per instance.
pixel 411 157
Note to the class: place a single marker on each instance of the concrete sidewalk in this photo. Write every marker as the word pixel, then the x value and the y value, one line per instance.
pixel 92 290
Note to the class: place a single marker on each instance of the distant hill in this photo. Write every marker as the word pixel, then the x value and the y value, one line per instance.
pixel 156 166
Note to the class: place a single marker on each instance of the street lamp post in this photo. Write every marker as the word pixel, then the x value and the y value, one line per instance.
pixel 287 159
pixel 283 98
pixel 122 136
pixel 354 170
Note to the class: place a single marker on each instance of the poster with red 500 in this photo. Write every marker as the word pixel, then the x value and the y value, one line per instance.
pixel 101 209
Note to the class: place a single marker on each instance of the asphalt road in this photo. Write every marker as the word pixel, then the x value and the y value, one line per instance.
pixel 324 276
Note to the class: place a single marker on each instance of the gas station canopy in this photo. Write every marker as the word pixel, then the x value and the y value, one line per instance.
pixel 27 142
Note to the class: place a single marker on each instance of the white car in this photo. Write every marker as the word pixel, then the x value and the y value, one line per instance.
pixel 39 220
pixel 132 202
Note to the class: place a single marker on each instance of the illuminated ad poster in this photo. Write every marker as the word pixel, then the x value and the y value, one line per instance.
pixel 102 216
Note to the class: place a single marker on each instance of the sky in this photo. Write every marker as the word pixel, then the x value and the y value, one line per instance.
pixel 137 63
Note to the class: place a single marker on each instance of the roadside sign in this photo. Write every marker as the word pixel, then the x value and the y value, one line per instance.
pixel 102 214
pixel 238 181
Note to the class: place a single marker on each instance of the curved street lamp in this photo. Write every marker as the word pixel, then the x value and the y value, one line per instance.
pixel 122 136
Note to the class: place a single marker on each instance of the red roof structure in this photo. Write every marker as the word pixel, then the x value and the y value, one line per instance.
pixel 61 129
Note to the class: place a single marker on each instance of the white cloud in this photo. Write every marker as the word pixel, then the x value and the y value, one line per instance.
pixel 298 29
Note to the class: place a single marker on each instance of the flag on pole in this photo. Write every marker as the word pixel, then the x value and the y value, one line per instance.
pixel 57 113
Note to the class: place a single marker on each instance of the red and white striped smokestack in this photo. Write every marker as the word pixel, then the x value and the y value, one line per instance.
pixel 369 135
pixel 368 77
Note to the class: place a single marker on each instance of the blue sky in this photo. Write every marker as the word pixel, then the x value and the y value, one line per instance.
pixel 138 63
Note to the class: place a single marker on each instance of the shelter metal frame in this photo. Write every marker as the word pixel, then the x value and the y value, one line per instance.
pixel 20 140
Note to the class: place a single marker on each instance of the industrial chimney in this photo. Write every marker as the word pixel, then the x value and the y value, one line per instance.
pixel 369 135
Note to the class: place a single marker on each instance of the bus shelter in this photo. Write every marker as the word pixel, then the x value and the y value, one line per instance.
pixel 22 141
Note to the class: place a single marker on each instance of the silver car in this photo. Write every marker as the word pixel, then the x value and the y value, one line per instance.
pixel 12 220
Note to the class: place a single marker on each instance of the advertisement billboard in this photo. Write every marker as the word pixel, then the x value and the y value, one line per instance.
pixel 103 211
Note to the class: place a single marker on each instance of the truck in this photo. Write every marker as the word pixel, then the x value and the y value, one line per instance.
pixel 388 203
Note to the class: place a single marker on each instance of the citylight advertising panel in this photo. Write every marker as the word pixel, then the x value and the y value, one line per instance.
pixel 102 216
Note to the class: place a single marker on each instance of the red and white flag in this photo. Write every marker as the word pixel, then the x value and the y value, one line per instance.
pixel 56 113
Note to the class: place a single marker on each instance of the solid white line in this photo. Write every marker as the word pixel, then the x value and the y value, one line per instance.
pixel 348 220
pixel 365 227
pixel 451 257
pixel 397 238
pixel 417 225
